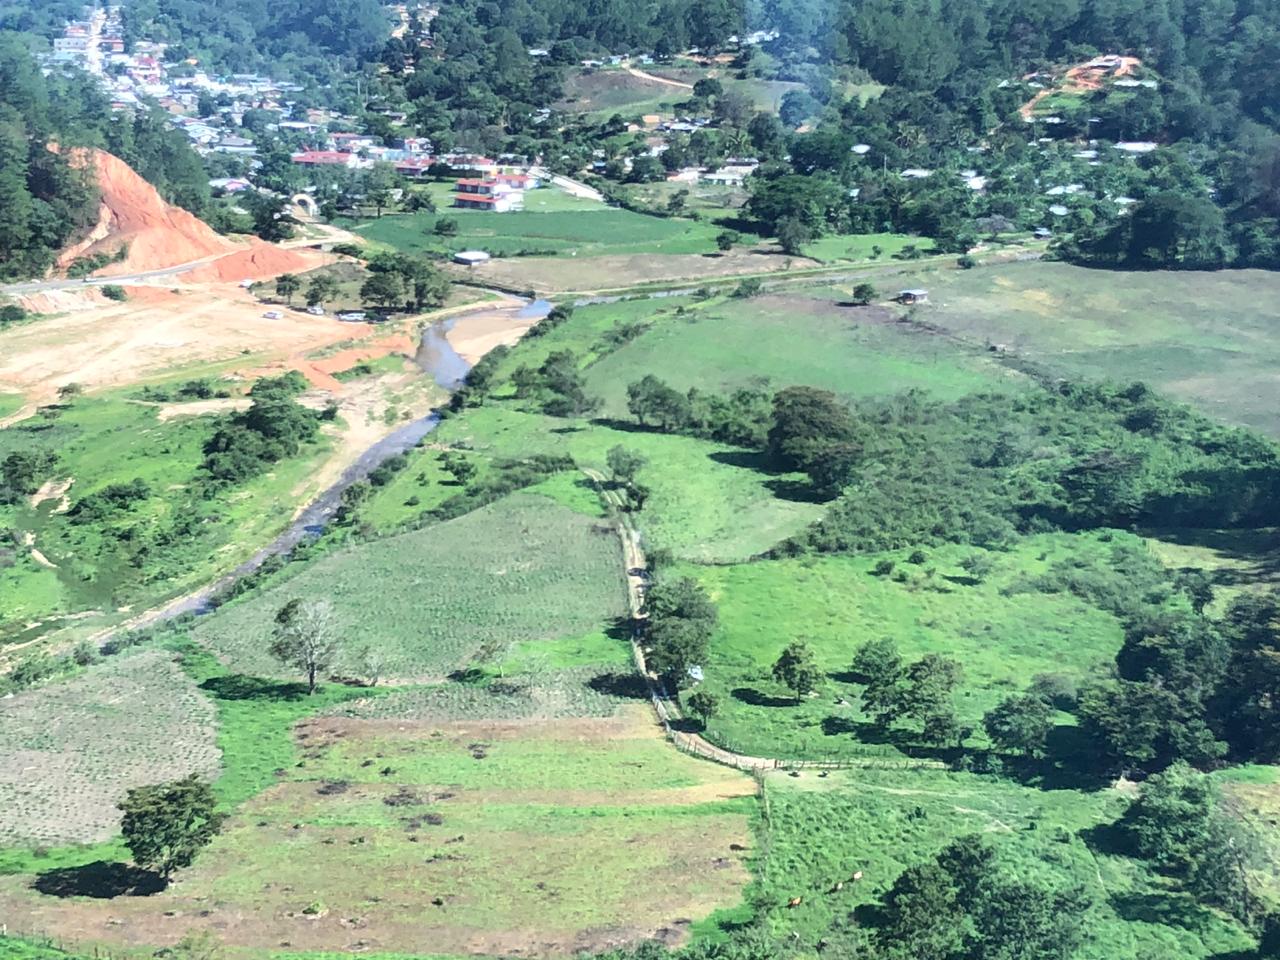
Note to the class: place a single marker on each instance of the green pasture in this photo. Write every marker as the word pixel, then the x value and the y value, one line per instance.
pixel 431 600
pixel 1207 338
pixel 778 340
pixel 860 247
pixel 10 403
pixel 709 501
pixel 577 232
pixel 1003 633
pixel 880 822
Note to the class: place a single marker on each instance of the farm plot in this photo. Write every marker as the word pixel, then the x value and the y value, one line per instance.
pixel 433 599
pixel 882 821
pixel 69 751
pixel 542 839
pixel 1002 631
pixel 1211 339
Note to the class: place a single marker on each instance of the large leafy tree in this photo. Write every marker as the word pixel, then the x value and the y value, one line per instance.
pixel 167 824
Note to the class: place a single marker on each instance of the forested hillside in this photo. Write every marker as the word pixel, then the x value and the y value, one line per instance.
pixel 248 35
pixel 44 199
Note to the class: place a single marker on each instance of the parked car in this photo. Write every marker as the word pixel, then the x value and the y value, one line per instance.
pixel 356 316
pixel 246 284
pixel 273 315
pixel 316 311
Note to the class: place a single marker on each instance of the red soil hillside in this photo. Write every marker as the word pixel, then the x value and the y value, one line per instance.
pixel 131 212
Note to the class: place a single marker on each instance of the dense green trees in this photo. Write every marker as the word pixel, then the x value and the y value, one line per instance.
pixel 967 904
pixel 166 825
pixel 681 619
pixel 275 426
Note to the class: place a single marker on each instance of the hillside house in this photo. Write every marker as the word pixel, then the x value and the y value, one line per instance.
pixel 488 194
pixel 327 158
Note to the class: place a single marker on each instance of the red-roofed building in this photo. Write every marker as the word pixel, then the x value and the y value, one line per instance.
pixel 414 168
pixel 326 158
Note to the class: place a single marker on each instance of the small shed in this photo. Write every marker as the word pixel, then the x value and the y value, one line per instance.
pixel 470 258
pixel 913 296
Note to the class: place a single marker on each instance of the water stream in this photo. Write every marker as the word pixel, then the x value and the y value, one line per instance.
pixel 438 359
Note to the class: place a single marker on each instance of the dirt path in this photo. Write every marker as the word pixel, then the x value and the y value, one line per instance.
pixel 642 75
pixel 665 706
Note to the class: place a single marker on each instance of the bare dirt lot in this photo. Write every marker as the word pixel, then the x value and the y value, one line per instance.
pixel 157 331
pixel 532 839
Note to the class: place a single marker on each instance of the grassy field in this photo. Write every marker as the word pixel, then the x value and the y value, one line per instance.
pixel 1206 338
pixel 860 247
pixel 542 838
pixel 70 750
pixel 432 600
pixel 580 231
pixel 10 403
pixel 819 831
pixel 1003 636
pixel 604 92
pixel 777 340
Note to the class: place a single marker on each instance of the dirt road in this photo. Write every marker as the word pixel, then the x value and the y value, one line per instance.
pixel 642 75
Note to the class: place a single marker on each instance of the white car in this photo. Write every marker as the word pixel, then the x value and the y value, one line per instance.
pixel 354 315
pixel 246 284
pixel 316 311
pixel 272 315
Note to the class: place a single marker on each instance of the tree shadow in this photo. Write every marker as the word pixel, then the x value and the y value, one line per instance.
pixel 797 491
pixel 240 686
pixel 757 699
pixel 837 726
pixel 101 880
pixel 621 628
pixel 1167 909
pixel 847 676
pixel 629 686
pixel 746 459
pixel 1109 838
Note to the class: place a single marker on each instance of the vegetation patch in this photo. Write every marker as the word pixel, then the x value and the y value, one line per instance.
pixel 1001 634
pixel 496 836
pixel 431 601
pixel 821 832
pixel 1206 338
pixel 69 751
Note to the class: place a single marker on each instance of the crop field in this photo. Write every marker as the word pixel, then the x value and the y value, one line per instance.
pixel 882 821
pixel 111 439
pixel 1002 632
pixel 432 600
pixel 1211 339
pixel 487 837
pixel 778 340
pixel 70 750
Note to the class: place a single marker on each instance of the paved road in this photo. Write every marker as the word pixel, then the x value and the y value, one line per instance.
pixel 39 286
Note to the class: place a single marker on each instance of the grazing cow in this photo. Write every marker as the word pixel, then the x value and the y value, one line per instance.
pixel 794 902
pixel 856 877
pixel 838 887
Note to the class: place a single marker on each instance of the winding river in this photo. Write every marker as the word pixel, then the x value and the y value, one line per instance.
pixel 437 358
